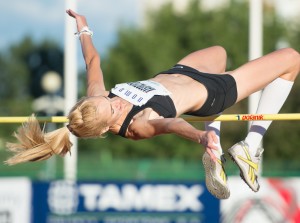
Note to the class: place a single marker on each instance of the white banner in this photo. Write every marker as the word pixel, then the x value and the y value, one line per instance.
pixel 278 200
pixel 15 200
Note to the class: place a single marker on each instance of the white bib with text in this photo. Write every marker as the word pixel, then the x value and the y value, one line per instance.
pixel 138 93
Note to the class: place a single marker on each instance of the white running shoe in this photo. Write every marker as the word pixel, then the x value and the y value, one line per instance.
pixel 247 163
pixel 215 176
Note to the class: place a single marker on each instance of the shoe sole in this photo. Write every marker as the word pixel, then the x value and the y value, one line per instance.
pixel 214 186
pixel 234 158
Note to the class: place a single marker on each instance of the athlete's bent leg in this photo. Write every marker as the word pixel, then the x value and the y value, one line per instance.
pixel 287 61
pixel 209 60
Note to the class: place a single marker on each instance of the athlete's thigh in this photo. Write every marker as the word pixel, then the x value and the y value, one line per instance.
pixel 255 75
pixel 208 60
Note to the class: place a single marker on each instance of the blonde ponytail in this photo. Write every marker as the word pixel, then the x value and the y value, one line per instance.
pixel 35 145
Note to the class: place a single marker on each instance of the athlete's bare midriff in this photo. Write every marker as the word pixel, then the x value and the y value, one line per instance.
pixel 188 95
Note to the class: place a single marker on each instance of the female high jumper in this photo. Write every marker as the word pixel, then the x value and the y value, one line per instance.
pixel 196 85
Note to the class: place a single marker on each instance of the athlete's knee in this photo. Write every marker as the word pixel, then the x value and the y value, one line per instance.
pixel 221 57
pixel 221 51
pixel 293 57
pixel 295 54
pixel 296 58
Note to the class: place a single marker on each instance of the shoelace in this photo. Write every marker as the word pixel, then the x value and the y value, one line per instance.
pixel 259 153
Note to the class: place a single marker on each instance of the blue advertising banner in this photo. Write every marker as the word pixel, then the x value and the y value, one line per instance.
pixel 118 202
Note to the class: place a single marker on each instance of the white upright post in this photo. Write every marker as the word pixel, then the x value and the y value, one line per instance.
pixel 70 87
pixel 255 45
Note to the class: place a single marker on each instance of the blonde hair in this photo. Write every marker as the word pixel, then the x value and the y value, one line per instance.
pixel 84 121
pixel 34 144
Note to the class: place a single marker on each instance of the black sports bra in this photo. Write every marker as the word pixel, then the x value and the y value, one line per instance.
pixel 163 105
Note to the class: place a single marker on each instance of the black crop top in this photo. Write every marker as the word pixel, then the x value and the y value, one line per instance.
pixel 163 105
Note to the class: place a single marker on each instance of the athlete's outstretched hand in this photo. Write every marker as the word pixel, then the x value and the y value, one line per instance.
pixel 209 140
pixel 80 19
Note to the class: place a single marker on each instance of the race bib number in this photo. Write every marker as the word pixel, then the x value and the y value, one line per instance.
pixel 138 93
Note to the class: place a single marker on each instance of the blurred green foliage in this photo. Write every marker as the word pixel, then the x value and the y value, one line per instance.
pixel 142 52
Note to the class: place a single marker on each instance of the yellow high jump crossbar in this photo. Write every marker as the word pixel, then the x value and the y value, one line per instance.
pixel 223 118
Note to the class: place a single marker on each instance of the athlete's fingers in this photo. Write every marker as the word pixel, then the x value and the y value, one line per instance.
pixel 70 13
pixel 212 155
pixel 212 141
pixel 73 14
pixel 216 140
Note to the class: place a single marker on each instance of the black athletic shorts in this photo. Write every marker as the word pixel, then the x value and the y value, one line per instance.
pixel 222 91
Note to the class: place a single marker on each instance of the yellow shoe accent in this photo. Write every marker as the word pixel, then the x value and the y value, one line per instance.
pixel 222 172
pixel 247 164
pixel 215 176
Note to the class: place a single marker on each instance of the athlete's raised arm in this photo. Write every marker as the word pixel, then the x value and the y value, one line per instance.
pixel 95 82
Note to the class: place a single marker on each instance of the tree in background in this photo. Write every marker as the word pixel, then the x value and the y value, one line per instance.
pixel 14 97
pixel 17 81
pixel 142 52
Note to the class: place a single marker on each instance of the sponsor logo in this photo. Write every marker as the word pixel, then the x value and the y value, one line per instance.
pixel 213 102
pixel 250 117
pixel 178 67
pixel 142 87
pixel 64 197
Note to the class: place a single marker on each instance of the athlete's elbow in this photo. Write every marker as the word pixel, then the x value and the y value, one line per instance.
pixel 172 125
pixel 91 60
pixel 141 137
